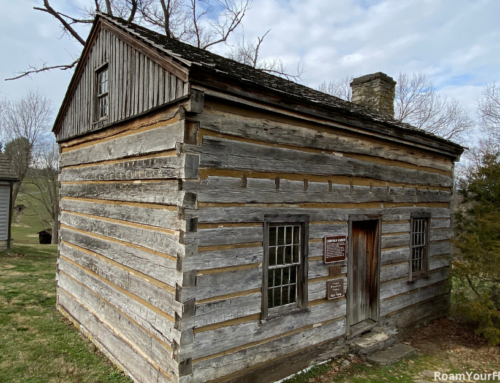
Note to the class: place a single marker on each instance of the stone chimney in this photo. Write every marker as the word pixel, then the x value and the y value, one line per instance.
pixel 376 91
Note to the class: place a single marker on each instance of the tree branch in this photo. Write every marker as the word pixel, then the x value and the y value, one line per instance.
pixel 65 24
pixel 132 11
pixel 44 68
pixel 109 11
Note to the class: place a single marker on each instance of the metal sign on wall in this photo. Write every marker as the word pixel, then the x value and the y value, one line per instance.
pixel 335 289
pixel 334 248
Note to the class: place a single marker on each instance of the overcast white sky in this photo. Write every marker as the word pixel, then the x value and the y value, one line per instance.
pixel 455 42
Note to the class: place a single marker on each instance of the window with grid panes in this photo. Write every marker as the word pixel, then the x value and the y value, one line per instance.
pixel 284 263
pixel 102 93
pixel 285 267
pixel 419 246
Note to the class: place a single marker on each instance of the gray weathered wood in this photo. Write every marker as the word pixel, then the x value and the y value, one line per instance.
pixel 259 190
pixel 147 318
pixel 150 141
pixel 162 217
pixel 141 287
pixel 225 338
pixel 221 153
pixel 412 297
pixel 267 130
pixel 396 287
pixel 215 285
pixel 119 346
pixel 156 240
pixel 160 268
pixel 401 270
pixel 223 310
pixel 165 192
pixel 256 214
pixel 235 361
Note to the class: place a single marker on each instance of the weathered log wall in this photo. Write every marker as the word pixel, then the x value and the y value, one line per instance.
pixel 120 263
pixel 253 163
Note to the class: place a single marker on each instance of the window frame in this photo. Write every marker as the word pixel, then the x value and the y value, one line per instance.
pixel 424 273
pixel 98 97
pixel 302 275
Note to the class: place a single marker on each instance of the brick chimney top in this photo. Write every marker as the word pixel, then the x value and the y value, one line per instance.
pixel 376 91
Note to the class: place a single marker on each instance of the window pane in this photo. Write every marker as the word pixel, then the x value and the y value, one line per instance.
pixel 270 301
pixel 277 296
pixel 284 263
pixel 102 80
pixel 270 279
pixel 286 275
pixel 103 106
pixel 272 256
pixel 296 253
pixel 281 235
pixel 293 293
pixel 293 275
pixel 281 255
pixel 289 233
pixel 296 235
pixel 288 254
pixel 272 236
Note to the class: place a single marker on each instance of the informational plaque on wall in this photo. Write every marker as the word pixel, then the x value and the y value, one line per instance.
pixel 334 249
pixel 335 289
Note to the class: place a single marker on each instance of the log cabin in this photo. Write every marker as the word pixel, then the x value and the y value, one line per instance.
pixel 8 177
pixel 221 224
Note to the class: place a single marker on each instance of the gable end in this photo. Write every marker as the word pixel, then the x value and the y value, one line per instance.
pixel 139 79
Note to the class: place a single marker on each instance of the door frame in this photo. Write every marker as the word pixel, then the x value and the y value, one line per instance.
pixel 359 218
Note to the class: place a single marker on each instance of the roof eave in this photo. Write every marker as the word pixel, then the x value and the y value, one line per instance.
pixel 452 149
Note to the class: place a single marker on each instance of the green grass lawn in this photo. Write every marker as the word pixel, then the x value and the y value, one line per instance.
pixel 27 223
pixel 37 344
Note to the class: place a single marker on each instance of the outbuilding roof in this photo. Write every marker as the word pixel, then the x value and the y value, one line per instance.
pixel 7 172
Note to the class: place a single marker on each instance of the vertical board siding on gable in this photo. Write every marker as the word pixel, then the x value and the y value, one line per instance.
pixel 136 85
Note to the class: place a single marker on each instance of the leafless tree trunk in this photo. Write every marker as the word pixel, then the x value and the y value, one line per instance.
pixel 25 124
pixel 43 175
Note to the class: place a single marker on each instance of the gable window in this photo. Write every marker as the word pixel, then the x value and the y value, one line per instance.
pixel 419 262
pixel 102 93
pixel 285 264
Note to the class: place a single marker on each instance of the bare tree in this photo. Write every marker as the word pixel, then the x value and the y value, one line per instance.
pixel 203 23
pixel 489 111
pixel 248 53
pixel 43 175
pixel 340 88
pixel 418 104
pixel 26 125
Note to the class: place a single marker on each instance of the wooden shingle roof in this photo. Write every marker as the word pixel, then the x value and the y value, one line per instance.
pixel 6 170
pixel 196 58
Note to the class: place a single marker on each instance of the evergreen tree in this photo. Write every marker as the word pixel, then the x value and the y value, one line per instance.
pixel 476 269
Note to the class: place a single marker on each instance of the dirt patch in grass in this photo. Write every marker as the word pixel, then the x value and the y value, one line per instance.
pixel 443 345
pixel 457 343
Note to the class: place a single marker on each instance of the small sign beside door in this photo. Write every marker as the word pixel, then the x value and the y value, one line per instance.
pixel 335 289
pixel 334 249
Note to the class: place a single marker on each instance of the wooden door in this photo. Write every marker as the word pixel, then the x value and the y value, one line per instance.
pixel 365 276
